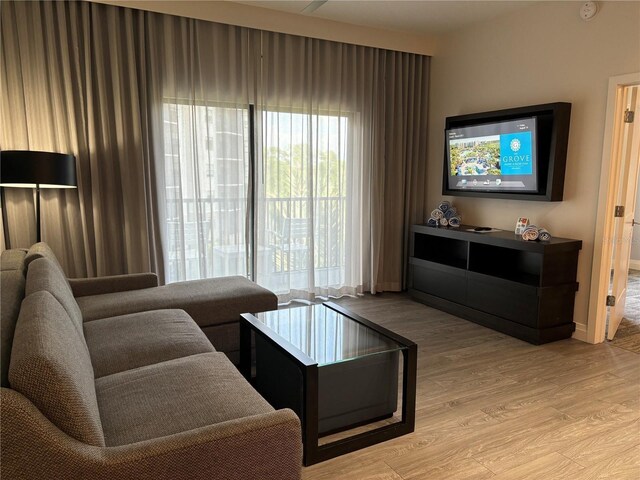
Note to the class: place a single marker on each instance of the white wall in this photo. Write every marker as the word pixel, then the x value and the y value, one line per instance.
pixel 541 54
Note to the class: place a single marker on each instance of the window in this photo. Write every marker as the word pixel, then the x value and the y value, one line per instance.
pixel 301 197
pixel 304 199
pixel 206 187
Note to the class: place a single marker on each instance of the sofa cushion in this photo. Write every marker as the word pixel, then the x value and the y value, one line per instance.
pixel 212 301
pixel 50 365
pixel 12 292
pixel 44 275
pixel 174 396
pixel 13 259
pixel 121 343
pixel 42 250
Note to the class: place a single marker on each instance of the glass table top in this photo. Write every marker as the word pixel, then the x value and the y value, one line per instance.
pixel 325 335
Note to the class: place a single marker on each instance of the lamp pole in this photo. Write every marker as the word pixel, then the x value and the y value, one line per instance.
pixel 38 236
pixel 5 220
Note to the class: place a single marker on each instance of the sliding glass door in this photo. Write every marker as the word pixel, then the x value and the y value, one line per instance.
pixel 206 190
pixel 302 202
pixel 287 226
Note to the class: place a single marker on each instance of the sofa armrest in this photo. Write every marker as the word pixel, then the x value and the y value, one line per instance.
pixel 83 287
pixel 258 447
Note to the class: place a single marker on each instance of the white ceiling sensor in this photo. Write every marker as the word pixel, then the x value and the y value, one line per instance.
pixel 313 6
pixel 588 10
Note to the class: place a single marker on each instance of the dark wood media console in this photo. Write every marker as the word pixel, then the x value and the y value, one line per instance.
pixel 524 289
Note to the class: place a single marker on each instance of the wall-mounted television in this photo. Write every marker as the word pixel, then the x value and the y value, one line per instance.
pixel 519 153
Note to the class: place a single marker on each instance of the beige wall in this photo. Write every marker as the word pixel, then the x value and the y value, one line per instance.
pixel 541 54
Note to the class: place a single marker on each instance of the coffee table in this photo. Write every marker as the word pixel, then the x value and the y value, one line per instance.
pixel 335 369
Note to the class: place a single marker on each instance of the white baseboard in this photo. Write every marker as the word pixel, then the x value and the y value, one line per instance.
pixel 634 264
pixel 580 333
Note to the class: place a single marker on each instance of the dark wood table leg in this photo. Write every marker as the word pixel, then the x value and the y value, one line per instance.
pixel 245 350
pixel 409 373
pixel 310 415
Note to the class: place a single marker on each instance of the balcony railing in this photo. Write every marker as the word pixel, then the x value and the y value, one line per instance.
pixel 207 237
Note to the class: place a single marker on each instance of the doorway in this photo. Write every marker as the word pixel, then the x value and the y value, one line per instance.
pixel 615 223
pixel 627 335
pixel 627 153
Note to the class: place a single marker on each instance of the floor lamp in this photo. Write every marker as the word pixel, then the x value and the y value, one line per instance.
pixel 29 169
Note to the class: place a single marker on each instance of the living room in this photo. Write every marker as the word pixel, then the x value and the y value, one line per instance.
pixel 81 79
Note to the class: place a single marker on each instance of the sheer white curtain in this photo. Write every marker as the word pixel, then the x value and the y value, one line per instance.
pixel 311 221
pixel 202 83
pixel 339 170
pixel 313 215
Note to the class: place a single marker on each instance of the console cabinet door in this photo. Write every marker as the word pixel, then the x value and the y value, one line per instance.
pixel 439 280
pixel 511 300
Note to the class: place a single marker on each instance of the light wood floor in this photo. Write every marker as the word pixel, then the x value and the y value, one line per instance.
pixel 491 406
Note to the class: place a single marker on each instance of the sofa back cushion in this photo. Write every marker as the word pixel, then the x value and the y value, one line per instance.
pixel 42 250
pixel 12 283
pixel 50 365
pixel 44 275
pixel 13 259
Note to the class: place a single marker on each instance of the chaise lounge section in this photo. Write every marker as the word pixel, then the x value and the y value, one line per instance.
pixel 215 303
pixel 139 395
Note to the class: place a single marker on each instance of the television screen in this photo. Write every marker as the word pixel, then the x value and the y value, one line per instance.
pixel 516 153
pixel 493 157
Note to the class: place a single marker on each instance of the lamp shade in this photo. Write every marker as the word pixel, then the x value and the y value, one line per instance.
pixel 29 169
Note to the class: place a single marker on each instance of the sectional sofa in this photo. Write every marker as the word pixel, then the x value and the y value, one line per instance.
pixel 113 378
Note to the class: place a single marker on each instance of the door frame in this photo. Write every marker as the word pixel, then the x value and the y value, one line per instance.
pixel 603 245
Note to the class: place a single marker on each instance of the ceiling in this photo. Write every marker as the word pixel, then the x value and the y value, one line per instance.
pixel 422 17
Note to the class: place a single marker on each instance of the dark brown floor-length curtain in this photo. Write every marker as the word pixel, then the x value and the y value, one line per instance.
pixel 399 166
pixel 74 81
